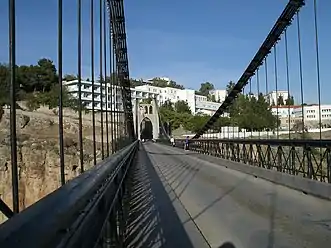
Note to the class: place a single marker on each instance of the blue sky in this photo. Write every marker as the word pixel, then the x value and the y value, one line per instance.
pixel 188 41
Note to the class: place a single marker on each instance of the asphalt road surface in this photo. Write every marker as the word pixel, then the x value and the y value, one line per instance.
pixel 190 202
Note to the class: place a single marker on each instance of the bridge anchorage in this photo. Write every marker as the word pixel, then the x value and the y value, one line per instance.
pixel 74 174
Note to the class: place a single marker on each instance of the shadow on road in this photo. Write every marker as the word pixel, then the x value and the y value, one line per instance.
pixel 227 245
pixel 152 219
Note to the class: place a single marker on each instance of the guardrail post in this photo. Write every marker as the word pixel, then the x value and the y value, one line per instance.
pixel 251 154
pixel 238 153
pixel 269 157
pixel 328 164
pixel 309 163
pixel 293 152
pixel 259 155
pixel 279 158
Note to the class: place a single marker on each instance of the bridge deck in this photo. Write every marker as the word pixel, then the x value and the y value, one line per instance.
pixel 183 196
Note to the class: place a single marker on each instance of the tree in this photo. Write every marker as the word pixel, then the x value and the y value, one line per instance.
pixel 211 98
pixel 197 122
pixel 205 88
pixel 51 99
pixel 250 113
pixel 280 100
pixel 147 100
pixel 28 77
pixel 182 107
pixel 198 93
pixel 159 82
pixel 168 105
pixel 290 101
pixel 4 84
pixel 173 84
pixel 135 83
pixel 46 74
pixel 69 77
pixel 230 86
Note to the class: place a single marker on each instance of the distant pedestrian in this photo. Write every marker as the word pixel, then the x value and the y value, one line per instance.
pixel 186 143
pixel 172 140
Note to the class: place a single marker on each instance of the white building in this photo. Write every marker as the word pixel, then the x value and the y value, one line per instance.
pixel 219 95
pixel 197 103
pixel 311 114
pixel 86 90
pixel 284 111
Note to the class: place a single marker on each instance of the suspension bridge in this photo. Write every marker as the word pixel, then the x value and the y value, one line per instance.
pixel 268 187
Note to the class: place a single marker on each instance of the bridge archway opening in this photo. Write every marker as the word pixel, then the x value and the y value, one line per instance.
pixel 146 128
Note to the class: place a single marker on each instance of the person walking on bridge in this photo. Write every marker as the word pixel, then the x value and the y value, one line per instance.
pixel 172 140
pixel 186 143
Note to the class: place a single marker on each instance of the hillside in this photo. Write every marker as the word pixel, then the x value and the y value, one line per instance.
pixel 38 152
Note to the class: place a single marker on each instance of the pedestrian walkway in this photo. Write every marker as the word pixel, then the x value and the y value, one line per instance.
pixel 181 200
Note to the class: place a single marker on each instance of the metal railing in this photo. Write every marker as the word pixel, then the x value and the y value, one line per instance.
pixel 88 211
pixel 306 158
pixel 111 126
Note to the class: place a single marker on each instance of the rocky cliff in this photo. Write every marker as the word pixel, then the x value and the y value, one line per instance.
pixel 38 154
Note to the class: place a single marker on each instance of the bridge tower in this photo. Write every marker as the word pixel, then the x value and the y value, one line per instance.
pixel 146 117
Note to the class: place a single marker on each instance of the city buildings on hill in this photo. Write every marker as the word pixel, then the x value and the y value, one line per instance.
pixel 310 114
pixel 197 103
pixel 112 100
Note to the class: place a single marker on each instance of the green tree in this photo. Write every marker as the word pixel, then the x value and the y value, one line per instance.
pixel 230 86
pixel 28 78
pixel 135 82
pixel 159 82
pixel 182 107
pixel 168 106
pixel 147 100
pixel 273 102
pixel 69 77
pixel 196 122
pixel 211 98
pixel 290 101
pixel 4 84
pixel 250 113
pixel 46 74
pixel 51 99
pixel 205 88
pixel 280 100
pixel 173 84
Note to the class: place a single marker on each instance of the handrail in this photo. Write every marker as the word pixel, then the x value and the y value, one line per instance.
pixel 272 142
pixel 53 221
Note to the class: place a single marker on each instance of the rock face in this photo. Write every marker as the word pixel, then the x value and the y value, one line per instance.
pixel 38 155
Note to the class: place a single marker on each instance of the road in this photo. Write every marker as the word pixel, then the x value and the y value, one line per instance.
pixel 216 205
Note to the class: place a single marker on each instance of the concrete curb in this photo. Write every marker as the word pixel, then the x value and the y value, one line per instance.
pixel 307 186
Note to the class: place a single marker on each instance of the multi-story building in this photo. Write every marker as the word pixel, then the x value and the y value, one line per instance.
pixel 312 115
pixel 197 103
pixel 286 116
pixel 219 95
pixel 309 114
pixel 86 93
